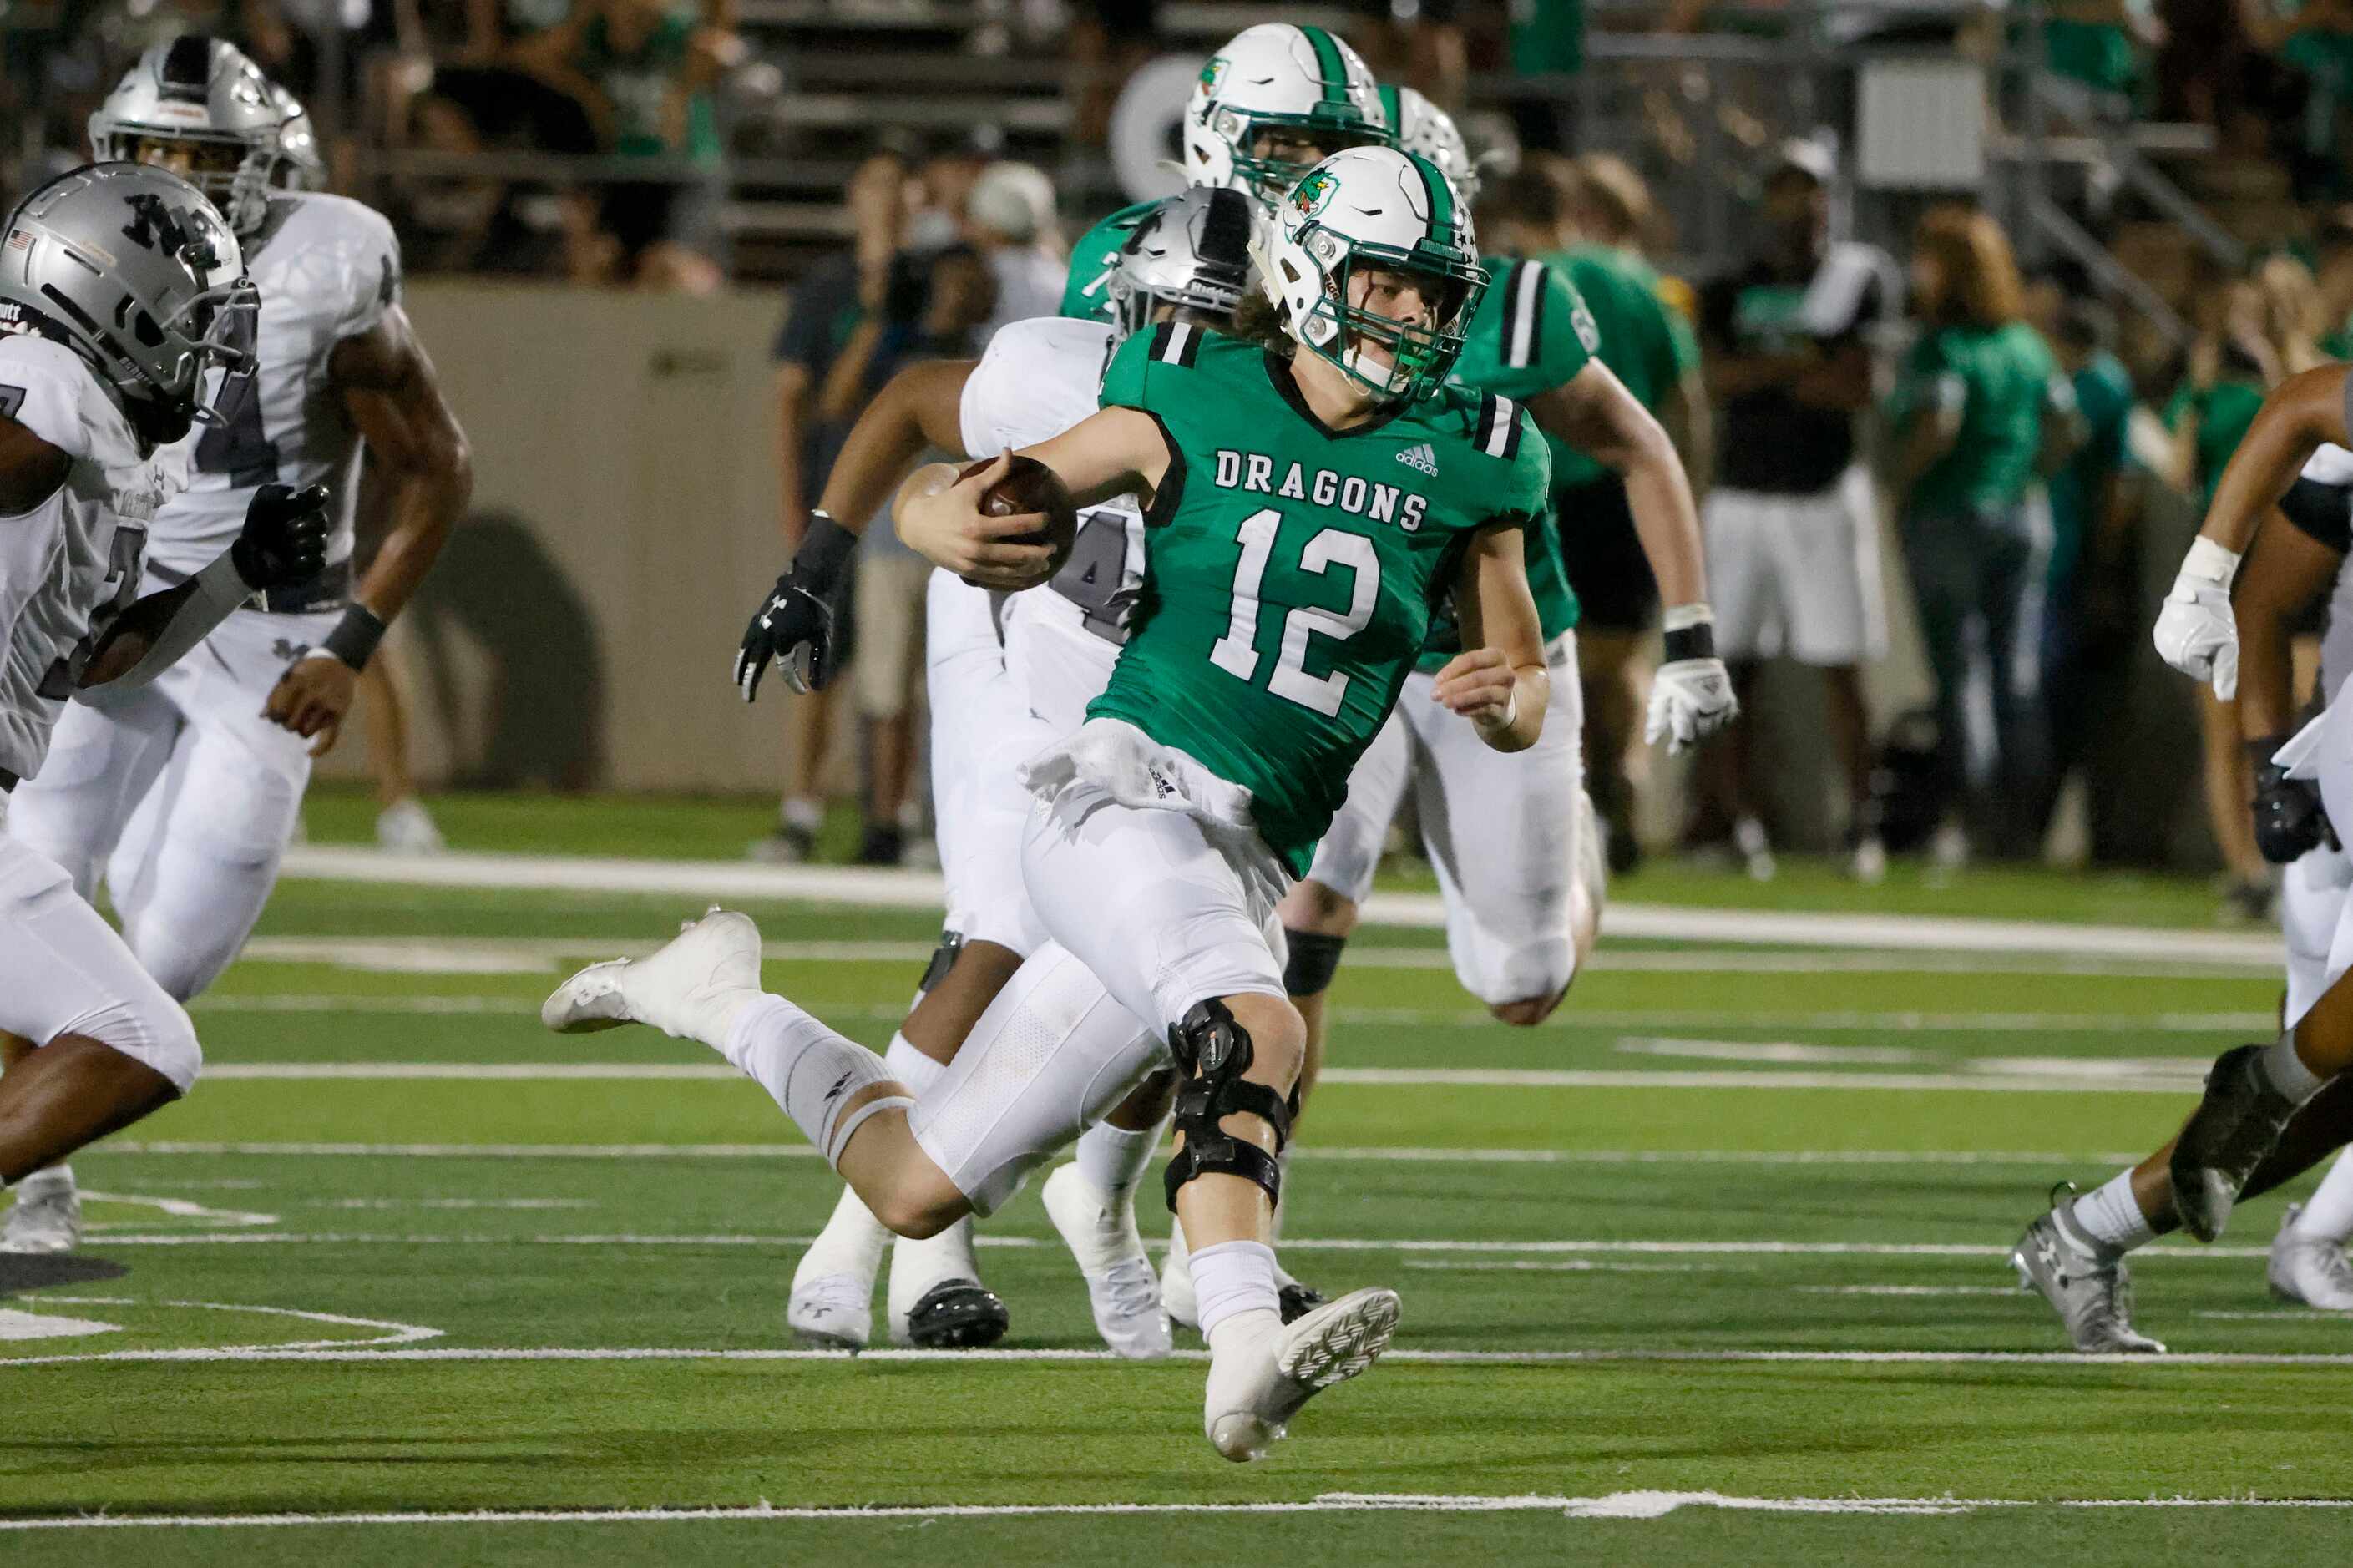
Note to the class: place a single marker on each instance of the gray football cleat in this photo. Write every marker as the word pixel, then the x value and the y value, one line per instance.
pixel 2095 1302
pixel 2310 1269
pixel 1255 1389
pixel 46 1218
pixel 2225 1139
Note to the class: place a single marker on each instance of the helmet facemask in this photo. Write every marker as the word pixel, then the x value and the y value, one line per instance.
pixel 1268 180
pixel 1193 253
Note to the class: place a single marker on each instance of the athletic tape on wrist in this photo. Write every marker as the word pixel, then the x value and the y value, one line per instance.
pixel 355 635
pixel 2208 561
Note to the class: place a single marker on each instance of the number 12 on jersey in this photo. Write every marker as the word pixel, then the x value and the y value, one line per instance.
pixel 1237 653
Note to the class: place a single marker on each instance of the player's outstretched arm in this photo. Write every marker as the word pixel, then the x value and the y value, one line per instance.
pixel 921 406
pixel 393 396
pixel 1499 682
pixel 2195 632
pixel 1593 412
pixel 1112 452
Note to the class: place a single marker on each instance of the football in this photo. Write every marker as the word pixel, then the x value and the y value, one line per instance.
pixel 1031 485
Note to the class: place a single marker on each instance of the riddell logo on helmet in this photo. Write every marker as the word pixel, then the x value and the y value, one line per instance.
pixel 1314 193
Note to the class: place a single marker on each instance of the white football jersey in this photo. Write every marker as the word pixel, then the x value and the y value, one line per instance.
pixel 1038 378
pixel 2333 466
pixel 327 269
pixel 72 564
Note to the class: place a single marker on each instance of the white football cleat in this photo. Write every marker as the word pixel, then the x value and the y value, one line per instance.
pixel 832 1304
pixel 690 988
pixel 2312 1269
pixel 1122 1289
pixel 46 1217
pixel 937 1302
pixel 1257 1386
pixel 406 827
pixel 1176 1295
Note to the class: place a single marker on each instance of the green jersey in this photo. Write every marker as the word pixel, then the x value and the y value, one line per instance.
pixel 1086 296
pixel 2224 410
pixel 2103 396
pixel 2000 380
pixel 1643 339
pixel 1531 334
pixel 1291 571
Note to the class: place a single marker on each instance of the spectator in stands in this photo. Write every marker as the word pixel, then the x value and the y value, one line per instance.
pixel 645 74
pixel 1792 523
pixel 1980 413
pixel 2088 616
pixel 2259 334
pixel 1009 220
pixel 1110 41
pixel 833 297
pixel 1649 347
pixel 2107 44
pixel 2314 39
pixel 2332 251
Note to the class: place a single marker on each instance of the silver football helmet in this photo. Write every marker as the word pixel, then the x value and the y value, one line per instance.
pixel 132 268
pixel 1422 127
pixel 299 166
pixel 203 93
pixel 1192 250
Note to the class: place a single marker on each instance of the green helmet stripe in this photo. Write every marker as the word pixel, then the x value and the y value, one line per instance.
pixel 1329 66
pixel 1392 110
pixel 1442 199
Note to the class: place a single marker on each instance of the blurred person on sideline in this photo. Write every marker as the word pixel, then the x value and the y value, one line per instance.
pixel 1980 413
pixel 1792 521
pixel 645 72
pixel 2332 254
pixel 827 307
pixel 1009 219
pixel 2088 618
pixel 1651 347
pixel 2259 332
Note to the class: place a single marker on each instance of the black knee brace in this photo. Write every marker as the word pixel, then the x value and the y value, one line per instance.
pixel 1314 959
pixel 944 959
pixel 1215 1051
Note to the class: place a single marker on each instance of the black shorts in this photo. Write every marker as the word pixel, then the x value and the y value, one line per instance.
pixel 1611 577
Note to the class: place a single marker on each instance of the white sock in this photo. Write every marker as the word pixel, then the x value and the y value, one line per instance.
pixel 852 1239
pixel 2328 1213
pixel 1232 1278
pixel 911 1066
pixel 2286 1071
pixel 1114 1158
pixel 2108 1220
pixel 45 1178
pixel 800 811
pixel 809 1070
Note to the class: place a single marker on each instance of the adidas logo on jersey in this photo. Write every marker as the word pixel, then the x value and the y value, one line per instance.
pixel 1421 457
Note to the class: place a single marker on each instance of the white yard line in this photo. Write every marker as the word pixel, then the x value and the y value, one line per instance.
pixel 873 888
pixel 1448 1247
pixel 171 1149
pixel 389 1333
pixel 2033 1075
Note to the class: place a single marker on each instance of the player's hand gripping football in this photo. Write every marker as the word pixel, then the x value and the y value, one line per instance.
pixel 798 624
pixel 2195 632
pixel 1691 698
pixel 284 540
pixel 953 527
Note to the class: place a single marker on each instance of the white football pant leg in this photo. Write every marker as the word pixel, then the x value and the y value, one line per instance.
pixel 1351 851
pixel 1501 831
pixel 63 971
pixel 981 729
pixel 1051 1055
pixel 104 758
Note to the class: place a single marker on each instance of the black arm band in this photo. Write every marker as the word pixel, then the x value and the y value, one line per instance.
pixel 355 635
pixel 825 551
pixel 1691 642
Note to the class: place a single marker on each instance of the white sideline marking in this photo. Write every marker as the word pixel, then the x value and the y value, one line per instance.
pixel 533 955
pixel 168 1147
pixel 16 1325
pixel 1333 1244
pixel 872 887
pixel 178 1209
pixel 1614 1505
pixel 333 1352
pixel 392 1334
pixel 1572 1266
pixel 1905 1290
pixel 2018 1075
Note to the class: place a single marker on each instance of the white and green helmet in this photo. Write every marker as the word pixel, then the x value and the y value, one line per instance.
pixel 1376 208
pixel 1277 77
pixel 1421 126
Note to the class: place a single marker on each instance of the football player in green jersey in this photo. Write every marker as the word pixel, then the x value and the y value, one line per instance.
pixel 1272 101
pixel 1308 511
pixel 1513 839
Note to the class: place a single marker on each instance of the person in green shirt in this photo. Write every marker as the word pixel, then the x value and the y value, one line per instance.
pixel 2332 267
pixel 1980 413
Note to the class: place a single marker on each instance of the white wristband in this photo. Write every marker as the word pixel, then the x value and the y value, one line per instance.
pixel 2208 561
pixel 1683 617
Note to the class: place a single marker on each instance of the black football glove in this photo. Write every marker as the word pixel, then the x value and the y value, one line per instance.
pixel 799 627
pixel 284 540
pixel 2289 817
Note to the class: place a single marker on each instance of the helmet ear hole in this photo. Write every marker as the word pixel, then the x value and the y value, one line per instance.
pixel 143 328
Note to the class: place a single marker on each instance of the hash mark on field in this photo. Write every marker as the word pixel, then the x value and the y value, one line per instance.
pixel 392 1334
